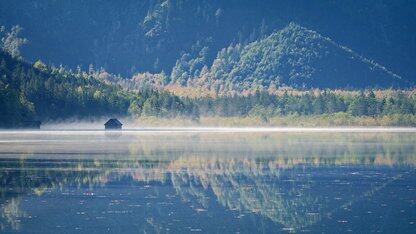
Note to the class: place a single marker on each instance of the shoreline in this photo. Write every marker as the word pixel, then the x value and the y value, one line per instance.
pixel 340 129
pixel 321 123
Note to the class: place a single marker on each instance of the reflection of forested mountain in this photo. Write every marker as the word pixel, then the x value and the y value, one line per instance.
pixel 136 145
pixel 290 179
pixel 288 191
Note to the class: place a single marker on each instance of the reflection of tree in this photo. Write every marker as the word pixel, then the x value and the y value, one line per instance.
pixel 248 186
pixel 270 187
pixel 11 214
pixel 245 186
pixel 248 145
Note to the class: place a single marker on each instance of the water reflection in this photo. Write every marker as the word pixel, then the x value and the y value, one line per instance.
pixel 209 182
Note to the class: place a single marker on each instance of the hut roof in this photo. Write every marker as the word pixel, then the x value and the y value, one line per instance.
pixel 113 122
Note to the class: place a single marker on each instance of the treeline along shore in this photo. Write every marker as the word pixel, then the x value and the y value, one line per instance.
pixel 314 108
pixel 311 108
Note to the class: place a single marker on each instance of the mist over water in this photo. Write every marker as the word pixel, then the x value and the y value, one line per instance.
pixel 209 180
pixel 136 125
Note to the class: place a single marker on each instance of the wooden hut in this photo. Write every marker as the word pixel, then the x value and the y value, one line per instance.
pixel 113 124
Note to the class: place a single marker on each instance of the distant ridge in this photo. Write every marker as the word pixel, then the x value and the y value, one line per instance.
pixel 298 57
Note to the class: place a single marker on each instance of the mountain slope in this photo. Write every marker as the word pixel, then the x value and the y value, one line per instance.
pixel 294 56
pixel 299 57
pixel 149 35
pixel 37 91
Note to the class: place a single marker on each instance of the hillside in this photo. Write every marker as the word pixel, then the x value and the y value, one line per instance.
pixel 140 36
pixel 294 56
pixel 37 91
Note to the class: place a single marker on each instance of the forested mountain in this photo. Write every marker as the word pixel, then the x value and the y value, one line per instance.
pixel 293 56
pixel 37 91
pixel 132 36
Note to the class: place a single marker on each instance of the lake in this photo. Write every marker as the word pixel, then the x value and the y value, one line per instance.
pixel 208 180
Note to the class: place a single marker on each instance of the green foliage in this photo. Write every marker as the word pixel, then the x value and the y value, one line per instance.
pixel 14 107
pixel 11 42
pixel 262 112
pixel 50 93
pixel 40 66
pixel 189 65
pixel 151 35
pixel 266 106
pixel 294 56
pixel 37 91
pixel 166 105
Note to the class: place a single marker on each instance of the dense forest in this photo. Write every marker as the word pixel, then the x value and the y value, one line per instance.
pixel 293 56
pixel 312 103
pixel 37 91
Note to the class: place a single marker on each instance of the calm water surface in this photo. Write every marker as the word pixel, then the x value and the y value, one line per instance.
pixel 217 182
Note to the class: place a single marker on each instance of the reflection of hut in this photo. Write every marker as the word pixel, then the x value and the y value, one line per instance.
pixel 34 124
pixel 113 134
pixel 113 124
